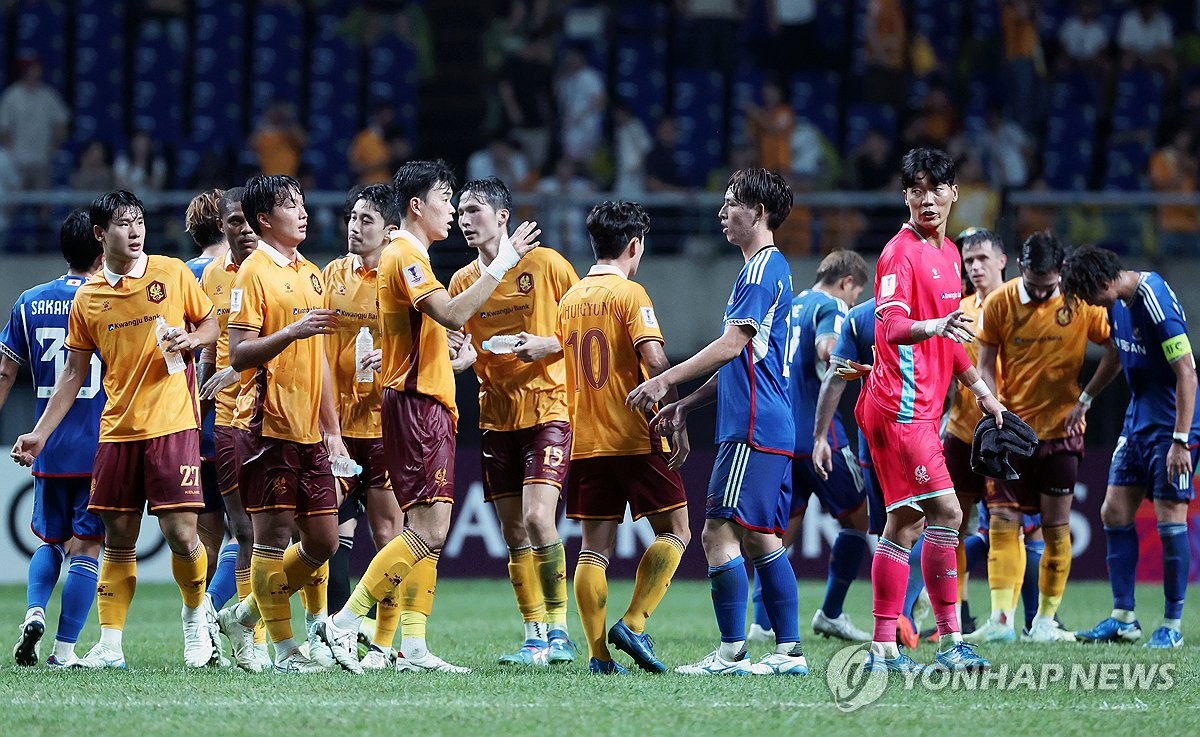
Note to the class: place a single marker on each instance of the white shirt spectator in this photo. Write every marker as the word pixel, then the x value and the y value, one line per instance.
pixel 499 161
pixel 631 143
pixel 1141 36
pixel 1005 149
pixel 1083 39
pixel 795 12
pixel 30 117
pixel 581 109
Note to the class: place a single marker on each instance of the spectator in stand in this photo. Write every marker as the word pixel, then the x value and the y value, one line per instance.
pixel 370 156
pixel 771 128
pixel 579 90
pixel 631 144
pixel 1173 169
pixel 33 123
pixel 563 223
pixel 525 84
pixel 501 158
pixel 885 53
pixel 709 31
pixel 936 121
pixel 1146 38
pixel 662 173
pixel 1022 55
pixel 142 168
pixel 95 170
pixel 814 160
pixel 278 140
pixel 978 203
pixel 1007 151
pixel 1084 39
pixel 872 165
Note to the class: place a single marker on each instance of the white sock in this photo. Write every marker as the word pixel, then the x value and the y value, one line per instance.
pixel 344 619
pixel 560 627
pixel 885 649
pixel 111 638
pixel 949 640
pixel 1173 624
pixel 535 631
pixel 731 650
pixel 35 613
pixel 285 648
pixel 64 651
pixel 1123 615
pixel 1042 618
pixel 413 647
pixel 783 648
pixel 193 615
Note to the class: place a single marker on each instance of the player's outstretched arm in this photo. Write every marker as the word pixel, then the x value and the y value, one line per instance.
pixel 832 388
pixel 66 388
pixel 987 365
pixel 899 329
pixel 705 363
pixel 535 347
pixel 453 312
pixel 1110 366
pixel 250 348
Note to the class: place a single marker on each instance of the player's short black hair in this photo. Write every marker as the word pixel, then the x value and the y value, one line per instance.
pixel 937 165
pixel 383 198
pixel 202 220
pixel 105 207
pixel 1042 253
pixel 232 196
pixel 842 263
pixel 758 186
pixel 977 236
pixel 611 225
pixel 265 192
pixel 491 190
pixel 1087 270
pixel 77 241
pixel 416 178
pixel 348 205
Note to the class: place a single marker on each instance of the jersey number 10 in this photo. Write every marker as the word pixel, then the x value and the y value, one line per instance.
pixel 593 345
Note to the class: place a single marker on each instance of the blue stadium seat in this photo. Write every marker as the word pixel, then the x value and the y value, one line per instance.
pixel 641 79
pixel 187 160
pixel 277 56
pixel 158 85
pixel 41 27
pixel 638 16
pixel 218 61
pixel 985 18
pixel 864 117
pixel 1138 102
pixel 832 20
pixel 1126 164
pixel 99 93
pixel 941 24
pixel 334 111
pixel 815 98
pixel 1072 89
pixel 392 66
pixel 747 90
pixel 699 110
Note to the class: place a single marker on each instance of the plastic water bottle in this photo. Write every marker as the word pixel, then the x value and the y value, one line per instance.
pixel 501 344
pixel 345 467
pixel 363 345
pixel 175 362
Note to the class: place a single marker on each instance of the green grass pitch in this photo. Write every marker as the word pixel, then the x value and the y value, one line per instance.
pixel 475 621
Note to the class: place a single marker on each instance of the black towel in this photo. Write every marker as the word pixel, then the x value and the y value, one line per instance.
pixel 992 445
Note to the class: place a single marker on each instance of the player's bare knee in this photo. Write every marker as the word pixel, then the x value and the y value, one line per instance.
pixel 1115 513
pixel 90 548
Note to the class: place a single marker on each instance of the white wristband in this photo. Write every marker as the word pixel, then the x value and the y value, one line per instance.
pixel 1180 437
pixel 506 258
pixel 1085 399
pixel 929 328
pixel 980 389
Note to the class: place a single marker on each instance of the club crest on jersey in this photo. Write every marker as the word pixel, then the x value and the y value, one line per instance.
pixel 921 474
pixel 105 306
pixel 316 283
pixel 1063 316
pixel 525 282
pixel 156 291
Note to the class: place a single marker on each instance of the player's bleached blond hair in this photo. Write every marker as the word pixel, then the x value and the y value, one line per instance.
pixel 202 220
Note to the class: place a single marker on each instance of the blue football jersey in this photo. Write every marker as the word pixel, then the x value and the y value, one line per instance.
pixel 208 447
pixel 855 341
pixel 35 336
pixel 1150 332
pixel 753 405
pixel 815 316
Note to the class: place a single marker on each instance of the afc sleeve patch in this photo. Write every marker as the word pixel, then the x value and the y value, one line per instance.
pixel 235 301
pixel 414 275
pixel 887 286
pixel 1176 347
pixel 648 318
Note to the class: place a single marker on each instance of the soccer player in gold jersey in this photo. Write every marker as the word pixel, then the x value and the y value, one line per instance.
pixel 612 341
pixel 149 453
pixel 418 411
pixel 526 443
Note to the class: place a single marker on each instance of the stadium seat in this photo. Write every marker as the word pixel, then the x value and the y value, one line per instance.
pixel 1126 164
pixel 217 118
pixel 815 97
pixel 864 117
pixel 985 19
pixel 187 160
pixel 392 70
pixel 1138 102
pixel 277 56
pixel 334 114
pixel 158 85
pixel 41 27
pixel 747 90
pixel 99 91
pixel 941 24
pixel 701 115
pixel 637 16
pixel 641 79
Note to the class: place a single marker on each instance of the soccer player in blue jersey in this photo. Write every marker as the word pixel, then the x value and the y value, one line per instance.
pixel 1156 453
pixel 34 337
pixel 749 494
pixel 202 221
pixel 817 316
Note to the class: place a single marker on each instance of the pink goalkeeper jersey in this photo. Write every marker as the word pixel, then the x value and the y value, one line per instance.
pixel 919 281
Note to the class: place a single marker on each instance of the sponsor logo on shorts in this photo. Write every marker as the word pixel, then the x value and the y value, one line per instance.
pixel 439 477
pixel 279 485
pixel 156 291
pixel 921 474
